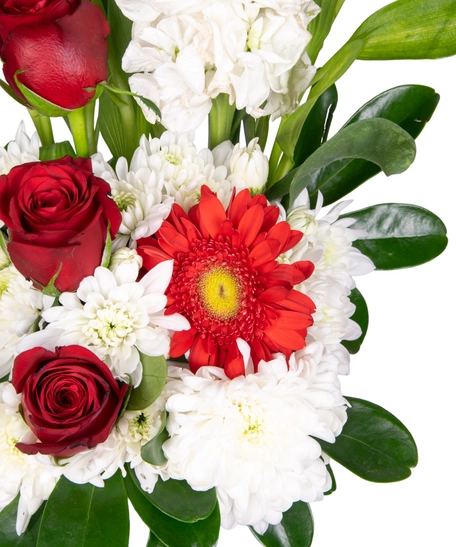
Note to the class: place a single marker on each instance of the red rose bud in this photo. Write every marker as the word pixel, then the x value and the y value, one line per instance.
pixel 62 61
pixel 58 214
pixel 14 13
pixel 70 399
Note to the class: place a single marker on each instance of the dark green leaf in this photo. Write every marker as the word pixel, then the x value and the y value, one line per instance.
pixel 377 140
pixel 177 500
pixel 373 444
pixel 56 151
pixel 154 541
pixel 295 530
pixel 333 481
pixel 8 536
pixel 82 515
pixel 410 106
pixel 4 379
pixel 399 235
pixel 409 29
pixel 361 317
pixel 319 28
pixel 152 452
pixel 316 127
pixel 155 370
pixel 171 532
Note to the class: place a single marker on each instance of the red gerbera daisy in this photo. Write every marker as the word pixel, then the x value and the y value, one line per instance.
pixel 227 281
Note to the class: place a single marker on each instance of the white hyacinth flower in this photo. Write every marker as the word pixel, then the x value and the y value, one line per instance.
pixel 252 437
pixel 115 318
pixel 32 478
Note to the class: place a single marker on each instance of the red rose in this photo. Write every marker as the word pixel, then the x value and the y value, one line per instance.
pixel 57 213
pixel 14 13
pixel 70 399
pixel 61 58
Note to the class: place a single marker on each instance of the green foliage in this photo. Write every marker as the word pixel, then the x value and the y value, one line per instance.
pixel 361 317
pixel 56 151
pixel 373 444
pixel 152 452
pixel 155 370
pixel 8 535
pixel 321 25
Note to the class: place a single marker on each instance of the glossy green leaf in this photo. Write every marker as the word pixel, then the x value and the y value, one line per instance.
pixel 172 532
pixel 4 379
pixel 155 370
pixel 154 541
pixel 82 515
pixel 179 501
pixel 43 106
pixel 152 452
pixel 373 444
pixel 56 151
pixel 410 106
pixel 361 317
pixel 399 235
pixel 333 481
pixel 316 127
pixel 320 26
pixel 409 29
pixel 8 535
pixel 377 140
pixel 295 530
pixel 288 134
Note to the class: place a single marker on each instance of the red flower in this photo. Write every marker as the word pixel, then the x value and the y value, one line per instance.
pixel 70 399
pixel 57 213
pixel 63 59
pixel 228 283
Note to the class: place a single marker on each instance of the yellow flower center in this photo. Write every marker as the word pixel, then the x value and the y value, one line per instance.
pixel 220 292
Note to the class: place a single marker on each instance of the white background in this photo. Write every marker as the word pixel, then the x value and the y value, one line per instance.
pixel 407 362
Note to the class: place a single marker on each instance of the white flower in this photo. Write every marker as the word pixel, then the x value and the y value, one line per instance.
pixel 22 150
pixel 21 474
pixel 249 167
pixel 20 306
pixel 251 437
pixel 125 264
pixel 115 319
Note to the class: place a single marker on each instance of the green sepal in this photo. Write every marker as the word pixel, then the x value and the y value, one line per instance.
pixel 361 317
pixel 399 235
pixel 117 91
pixel 155 370
pixel 56 151
pixel 51 289
pixel 373 444
pixel 11 93
pixel 8 535
pixel 172 532
pixel 43 106
pixel 152 452
pixel 83 515
pixel 295 530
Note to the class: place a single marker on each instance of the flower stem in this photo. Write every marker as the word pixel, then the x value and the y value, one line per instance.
pixel 43 127
pixel 78 127
pixel 284 167
pixel 220 120
pixel 92 136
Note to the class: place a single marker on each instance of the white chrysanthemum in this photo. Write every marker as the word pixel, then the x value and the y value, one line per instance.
pixel 19 473
pixel 20 306
pixel 139 194
pixel 116 319
pixel 128 436
pixel 22 150
pixel 251 437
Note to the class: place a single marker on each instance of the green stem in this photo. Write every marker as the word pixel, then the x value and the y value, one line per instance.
pixel 78 127
pixel 284 167
pixel 274 159
pixel 89 117
pixel 220 120
pixel 43 127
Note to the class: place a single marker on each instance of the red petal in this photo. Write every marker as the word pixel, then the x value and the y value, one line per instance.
pixel 294 320
pixel 181 342
pixel 285 338
pixel 250 224
pixel 274 294
pixel 281 232
pixel 178 242
pixel 239 206
pixel 152 256
pixel 265 251
pixel 212 212
pixel 234 362
pixel 294 239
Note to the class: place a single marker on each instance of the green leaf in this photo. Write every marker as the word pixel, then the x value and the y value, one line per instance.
pixel 106 258
pixel 4 245
pixel 316 127
pixel 361 317
pixel 4 379
pixel 179 501
pixel 321 25
pixel 339 63
pixel 152 452
pixel 56 151
pixel 409 29
pixel 82 515
pixel 373 444
pixel 43 106
pixel 333 481
pixel 154 541
pixel 376 140
pixel 172 532
pixel 295 530
pixel 399 235
pixel 8 536
pixel 410 106
pixel 155 370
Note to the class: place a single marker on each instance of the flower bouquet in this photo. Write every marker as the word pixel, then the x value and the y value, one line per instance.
pixel 174 318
